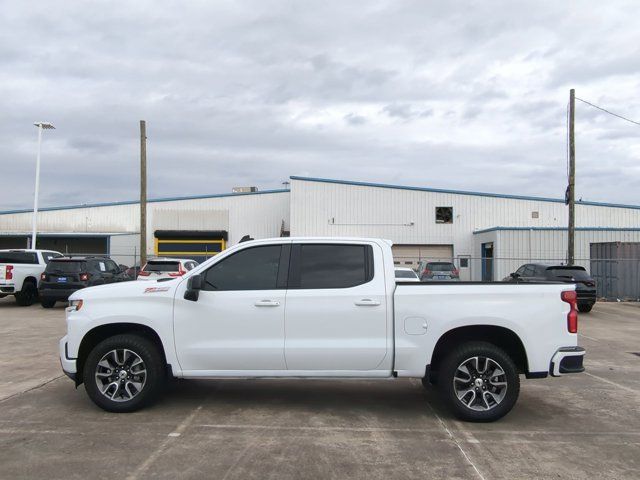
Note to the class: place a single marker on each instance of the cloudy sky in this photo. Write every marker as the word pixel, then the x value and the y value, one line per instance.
pixel 463 95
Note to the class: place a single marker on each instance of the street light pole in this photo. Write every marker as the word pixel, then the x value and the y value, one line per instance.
pixel 41 126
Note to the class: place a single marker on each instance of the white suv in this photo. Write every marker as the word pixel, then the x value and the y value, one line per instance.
pixel 158 268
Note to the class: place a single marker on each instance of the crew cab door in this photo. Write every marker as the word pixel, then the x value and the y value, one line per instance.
pixel 237 323
pixel 336 313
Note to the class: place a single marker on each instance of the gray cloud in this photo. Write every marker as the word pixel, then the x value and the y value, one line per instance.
pixel 442 95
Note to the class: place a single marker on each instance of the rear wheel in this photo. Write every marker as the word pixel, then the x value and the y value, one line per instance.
pixel 27 296
pixel 479 381
pixel 124 373
pixel 585 307
pixel 47 303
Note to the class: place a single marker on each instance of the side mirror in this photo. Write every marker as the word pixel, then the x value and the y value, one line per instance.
pixel 514 275
pixel 194 285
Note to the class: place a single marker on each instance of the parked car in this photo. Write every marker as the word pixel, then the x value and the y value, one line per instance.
pixel 437 271
pixel 166 268
pixel 344 316
pixel 538 272
pixel 65 275
pixel 20 272
pixel 406 274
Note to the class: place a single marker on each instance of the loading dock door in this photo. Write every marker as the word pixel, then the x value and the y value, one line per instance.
pixel 410 255
pixel 196 245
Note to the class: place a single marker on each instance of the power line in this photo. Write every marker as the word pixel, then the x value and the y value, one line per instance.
pixel 607 111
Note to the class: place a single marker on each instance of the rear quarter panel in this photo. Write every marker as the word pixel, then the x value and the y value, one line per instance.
pixel 535 313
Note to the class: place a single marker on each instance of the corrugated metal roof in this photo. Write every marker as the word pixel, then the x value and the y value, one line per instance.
pixel 135 202
pixel 458 192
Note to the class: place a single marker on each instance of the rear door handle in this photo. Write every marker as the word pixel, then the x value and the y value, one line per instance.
pixel 267 303
pixel 367 302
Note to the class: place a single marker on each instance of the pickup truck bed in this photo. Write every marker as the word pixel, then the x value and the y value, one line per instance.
pixel 319 307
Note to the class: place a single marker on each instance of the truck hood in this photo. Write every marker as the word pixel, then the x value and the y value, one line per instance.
pixel 128 289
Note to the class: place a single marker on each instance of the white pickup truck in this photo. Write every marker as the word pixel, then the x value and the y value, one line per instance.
pixel 323 308
pixel 20 272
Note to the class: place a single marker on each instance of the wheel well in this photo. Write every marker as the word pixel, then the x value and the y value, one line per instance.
pixel 499 336
pixel 98 334
pixel 30 280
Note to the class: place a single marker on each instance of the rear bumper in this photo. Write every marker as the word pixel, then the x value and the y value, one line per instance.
pixel 7 288
pixel 58 294
pixel 586 296
pixel 567 360
pixel 68 364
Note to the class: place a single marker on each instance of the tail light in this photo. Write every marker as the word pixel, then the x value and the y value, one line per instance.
pixel 179 273
pixel 455 272
pixel 9 272
pixel 143 273
pixel 426 272
pixel 43 276
pixel 84 277
pixel 571 297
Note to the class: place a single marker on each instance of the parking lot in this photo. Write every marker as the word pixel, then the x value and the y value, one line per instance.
pixel 583 426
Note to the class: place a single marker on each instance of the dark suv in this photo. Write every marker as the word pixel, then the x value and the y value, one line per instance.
pixel 63 276
pixel 585 285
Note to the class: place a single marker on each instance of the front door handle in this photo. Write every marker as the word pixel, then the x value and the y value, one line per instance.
pixel 367 302
pixel 267 303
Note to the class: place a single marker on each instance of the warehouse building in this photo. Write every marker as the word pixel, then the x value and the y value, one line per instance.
pixel 486 235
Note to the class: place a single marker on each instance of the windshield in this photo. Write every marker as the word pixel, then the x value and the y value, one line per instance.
pixel 162 267
pixel 405 274
pixel 440 266
pixel 65 266
pixel 18 257
pixel 575 273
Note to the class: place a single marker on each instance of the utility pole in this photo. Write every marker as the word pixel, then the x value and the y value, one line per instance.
pixel 143 193
pixel 572 178
pixel 41 126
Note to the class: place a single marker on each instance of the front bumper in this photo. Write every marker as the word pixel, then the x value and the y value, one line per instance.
pixel 68 364
pixel 567 360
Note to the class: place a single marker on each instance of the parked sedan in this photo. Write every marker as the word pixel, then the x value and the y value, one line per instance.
pixel 438 271
pixel 537 272
pixel 63 276
pixel 166 268
pixel 405 274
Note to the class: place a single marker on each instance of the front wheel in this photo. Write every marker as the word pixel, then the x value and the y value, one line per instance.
pixel 124 373
pixel 47 303
pixel 27 296
pixel 479 381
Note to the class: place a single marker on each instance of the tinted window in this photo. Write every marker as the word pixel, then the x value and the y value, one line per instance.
pixel 112 267
pixel 18 257
pixel 49 255
pixel 520 271
pixel 528 271
pixel 405 274
pixel 162 266
pixel 334 266
pixel 251 269
pixel 440 266
pixel 576 273
pixel 65 266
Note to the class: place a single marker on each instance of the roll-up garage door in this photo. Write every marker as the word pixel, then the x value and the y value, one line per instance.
pixel 410 255
pixel 193 244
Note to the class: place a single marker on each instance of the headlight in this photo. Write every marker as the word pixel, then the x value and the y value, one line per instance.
pixel 75 305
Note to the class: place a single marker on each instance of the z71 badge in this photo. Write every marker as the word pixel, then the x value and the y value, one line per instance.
pixel 156 289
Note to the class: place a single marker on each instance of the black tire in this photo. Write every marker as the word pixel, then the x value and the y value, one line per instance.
pixel 153 385
pixel 585 307
pixel 47 303
pixel 28 295
pixel 484 350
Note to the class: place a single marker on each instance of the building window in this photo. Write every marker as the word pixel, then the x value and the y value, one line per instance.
pixel 464 263
pixel 535 214
pixel 444 214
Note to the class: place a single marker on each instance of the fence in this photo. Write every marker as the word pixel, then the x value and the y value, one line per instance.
pixel 616 278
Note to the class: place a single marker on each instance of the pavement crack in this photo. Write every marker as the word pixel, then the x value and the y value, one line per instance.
pixel 17 394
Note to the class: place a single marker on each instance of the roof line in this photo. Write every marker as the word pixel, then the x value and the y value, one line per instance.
pixel 135 202
pixel 459 192
pixel 582 229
